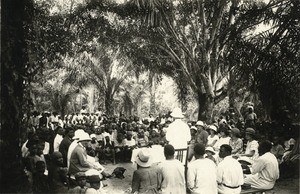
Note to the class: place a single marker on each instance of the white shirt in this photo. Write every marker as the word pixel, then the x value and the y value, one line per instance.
pixel 178 134
pixel 57 140
pixel 221 141
pixel 210 139
pixel 230 173
pixel 202 177
pixel 253 145
pixel 129 143
pixel 171 175
pixel 267 167
pixel 46 149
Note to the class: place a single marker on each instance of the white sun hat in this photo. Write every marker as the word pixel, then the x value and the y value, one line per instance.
pixel 177 113
pixel 84 137
pixel 213 127
pixel 78 133
pixel 200 123
pixel 210 149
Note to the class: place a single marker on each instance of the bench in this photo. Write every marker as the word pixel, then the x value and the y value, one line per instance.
pixel 256 191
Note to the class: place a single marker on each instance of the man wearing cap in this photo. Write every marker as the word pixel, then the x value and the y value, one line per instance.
pixel 178 133
pixel 251 151
pixel 171 177
pixel 229 172
pixel 79 161
pixel 201 175
pixel 265 170
pixel 201 136
pixel 145 178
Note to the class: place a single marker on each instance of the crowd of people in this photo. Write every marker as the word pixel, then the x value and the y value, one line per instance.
pixel 64 155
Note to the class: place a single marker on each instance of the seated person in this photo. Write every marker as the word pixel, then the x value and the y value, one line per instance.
pixel 94 181
pixel 108 149
pixel 154 137
pixel 224 139
pixel 142 140
pixel 79 159
pixel 119 146
pixel 235 142
pixel 229 172
pixel 277 148
pixel 93 147
pixel 58 178
pixel 265 170
pixel 129 145
pixel 81 184
pixel 209 152
pixel 251 152
pixel 162 138
pixel 145 178
pixel 289 167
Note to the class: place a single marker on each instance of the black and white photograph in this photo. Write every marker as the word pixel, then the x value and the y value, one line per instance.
pixel 150 96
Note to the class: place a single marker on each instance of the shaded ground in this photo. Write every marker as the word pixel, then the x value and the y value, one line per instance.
pixel 119 186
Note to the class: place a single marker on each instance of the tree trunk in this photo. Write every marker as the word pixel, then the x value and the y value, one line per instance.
pixel 109 104
pixel 13 61
pixel 152 92
pixel 206 105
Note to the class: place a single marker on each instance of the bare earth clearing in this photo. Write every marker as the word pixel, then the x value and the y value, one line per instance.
pixel 119 186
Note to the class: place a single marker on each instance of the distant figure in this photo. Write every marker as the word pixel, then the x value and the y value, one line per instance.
pixel 171 173
pixel 201 175
pixel 178 133
pixel 229 172
pixel 265 170
pixel 250 118
pixel 202 135
pixel 145 178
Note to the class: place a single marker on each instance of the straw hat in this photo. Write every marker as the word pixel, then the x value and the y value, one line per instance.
pixel 143 158
pixel 177 113
pixel 210 149
pixel 84 137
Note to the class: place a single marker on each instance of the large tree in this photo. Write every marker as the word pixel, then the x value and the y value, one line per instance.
pixel 196 36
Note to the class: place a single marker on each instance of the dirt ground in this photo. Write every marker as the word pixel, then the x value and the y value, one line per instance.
pixel 120 186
